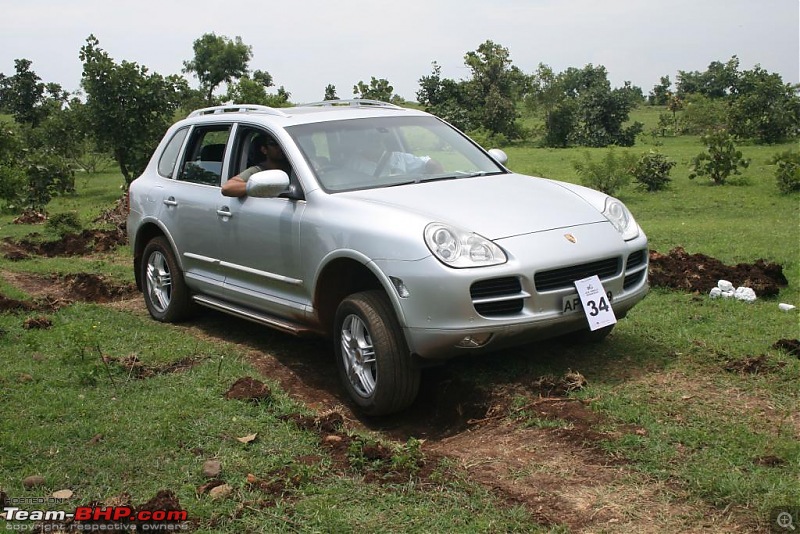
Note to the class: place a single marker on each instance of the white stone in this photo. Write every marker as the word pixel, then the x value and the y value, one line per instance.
pixel 724 285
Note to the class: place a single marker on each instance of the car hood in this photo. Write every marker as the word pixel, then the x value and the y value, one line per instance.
pixel 493 206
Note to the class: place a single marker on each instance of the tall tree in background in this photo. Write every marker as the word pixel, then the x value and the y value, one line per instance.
pixel 764 108
pixel 218 59
pixel 253 90
pixel 378 89
pixel 330 92
pixel 27 98
pixel 582 109
pixel 495 87
pixel 127 108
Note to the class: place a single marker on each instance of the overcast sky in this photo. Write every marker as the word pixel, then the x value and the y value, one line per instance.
pixel 307 44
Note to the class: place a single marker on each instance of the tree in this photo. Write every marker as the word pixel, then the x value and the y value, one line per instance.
pixel 486 101
pixel 330 92
pixel 661 94
pixel 217 59
pixel 719 80
pixel 495 87
pixel 27 98
pixel 378 89
pixel 582 108
pixel 444 98
pixel 764 108
pixel 253 90
pixel 127 108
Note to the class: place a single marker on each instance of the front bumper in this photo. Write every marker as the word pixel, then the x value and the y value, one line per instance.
pixel 449 312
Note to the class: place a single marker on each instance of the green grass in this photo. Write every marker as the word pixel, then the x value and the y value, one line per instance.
pixel 704 428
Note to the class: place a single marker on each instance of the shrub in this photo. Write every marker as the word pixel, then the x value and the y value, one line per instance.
pixel 787 173
pixel 652 171
pixel 65 223
pixel 609 174
pixel 720 160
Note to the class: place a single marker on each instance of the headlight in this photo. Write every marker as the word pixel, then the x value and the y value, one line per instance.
pixel 458 248
pixel 616 212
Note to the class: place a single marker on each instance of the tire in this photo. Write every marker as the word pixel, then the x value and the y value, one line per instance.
pixel 375 365
pixel 165 292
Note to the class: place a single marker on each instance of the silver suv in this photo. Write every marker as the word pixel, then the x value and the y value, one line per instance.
pixel 392 233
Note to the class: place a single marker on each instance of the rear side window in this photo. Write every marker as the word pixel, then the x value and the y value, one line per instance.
pixel 166 164
pixel 205 155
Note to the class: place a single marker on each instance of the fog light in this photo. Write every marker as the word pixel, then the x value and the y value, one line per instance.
pixel 400 287
pixel 474 341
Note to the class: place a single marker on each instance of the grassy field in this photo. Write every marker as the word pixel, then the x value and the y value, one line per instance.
pixel 112 405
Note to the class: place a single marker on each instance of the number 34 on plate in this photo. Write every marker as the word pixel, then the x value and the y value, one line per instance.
pixel 595 302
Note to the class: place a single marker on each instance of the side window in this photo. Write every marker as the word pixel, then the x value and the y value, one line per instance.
pixel 166 164
pixel 205 154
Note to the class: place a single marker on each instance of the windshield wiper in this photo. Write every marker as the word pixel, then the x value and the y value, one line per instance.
pixel 455 175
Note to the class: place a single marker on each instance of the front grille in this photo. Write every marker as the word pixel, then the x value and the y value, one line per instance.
pixel 635 259
pixel 565 277
pixel 497 296
pixel 633 279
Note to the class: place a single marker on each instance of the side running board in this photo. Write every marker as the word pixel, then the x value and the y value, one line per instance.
pixel 257 317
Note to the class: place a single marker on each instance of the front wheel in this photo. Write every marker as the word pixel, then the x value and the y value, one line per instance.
pixel 374 362
pixel 165 292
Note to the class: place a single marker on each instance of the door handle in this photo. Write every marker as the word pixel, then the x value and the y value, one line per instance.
pixel 224 212
pixel 170 201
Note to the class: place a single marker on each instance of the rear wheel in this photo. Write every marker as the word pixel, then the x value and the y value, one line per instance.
pixel 165 292
pixel 374 362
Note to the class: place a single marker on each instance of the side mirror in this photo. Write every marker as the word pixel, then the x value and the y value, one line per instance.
pixel 267 184
pixel 499 156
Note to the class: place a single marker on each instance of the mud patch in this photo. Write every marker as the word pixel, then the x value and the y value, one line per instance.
pixel 753 365
pixel 37 323
pixel 136 369
pixel 56 291
pixel 375 461
pixel 96 288
pixel 249 389
pixel 86 242
pixel 700 273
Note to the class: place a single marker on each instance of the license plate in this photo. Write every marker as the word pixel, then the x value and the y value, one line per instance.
pixel 572 303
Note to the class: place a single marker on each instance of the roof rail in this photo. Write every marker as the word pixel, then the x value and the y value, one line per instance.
pixel 237 108
pixel 355 102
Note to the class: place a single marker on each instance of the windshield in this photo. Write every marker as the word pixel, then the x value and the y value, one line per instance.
pixel 388 151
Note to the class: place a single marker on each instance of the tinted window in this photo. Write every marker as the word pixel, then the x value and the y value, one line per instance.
pixel 166 164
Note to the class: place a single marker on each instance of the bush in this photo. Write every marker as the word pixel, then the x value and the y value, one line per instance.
pixel 65 223
pixel 652 171
pixel 787 174
pixel 609 174
pixel 720 160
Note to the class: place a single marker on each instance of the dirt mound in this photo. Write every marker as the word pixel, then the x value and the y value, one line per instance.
pixel 86 242
pixel 116 215
pixel 249 389
pixel 30 217
pixel 700 273
pixel 96 288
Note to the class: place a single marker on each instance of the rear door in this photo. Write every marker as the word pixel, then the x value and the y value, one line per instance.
pixel 191 206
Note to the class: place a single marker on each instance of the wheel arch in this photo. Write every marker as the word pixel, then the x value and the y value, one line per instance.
pixel 343 276
pixel 146 232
